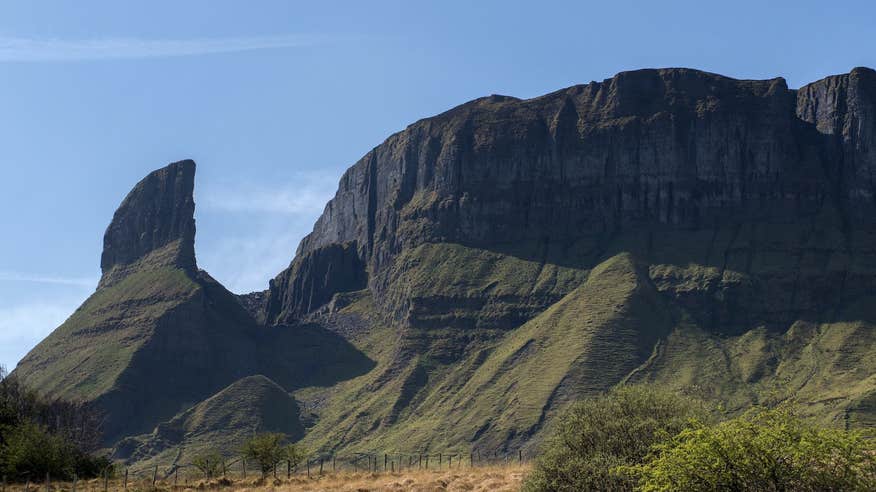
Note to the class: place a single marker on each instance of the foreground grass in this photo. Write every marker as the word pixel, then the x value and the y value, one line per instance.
pixel 482 478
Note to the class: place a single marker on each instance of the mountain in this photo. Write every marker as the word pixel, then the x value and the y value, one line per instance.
pixel 159 336
pixel 223 421
pixel 485 267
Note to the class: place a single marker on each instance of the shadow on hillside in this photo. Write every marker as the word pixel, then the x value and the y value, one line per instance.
pixel 296 356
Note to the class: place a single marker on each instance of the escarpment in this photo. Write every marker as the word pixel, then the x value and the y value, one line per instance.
pixel 747 203
pixel 734 174
pixel 483 268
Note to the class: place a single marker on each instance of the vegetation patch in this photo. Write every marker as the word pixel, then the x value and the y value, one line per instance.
pixel 40 438
pixel 597 438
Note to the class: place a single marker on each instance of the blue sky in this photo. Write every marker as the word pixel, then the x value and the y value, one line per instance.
pixel 274 99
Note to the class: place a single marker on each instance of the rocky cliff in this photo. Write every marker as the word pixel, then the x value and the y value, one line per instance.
pixel 747 204
pixel 649 151
pixel 480 270
pixel 154 226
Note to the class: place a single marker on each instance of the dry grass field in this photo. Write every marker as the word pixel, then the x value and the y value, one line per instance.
pixel 486 478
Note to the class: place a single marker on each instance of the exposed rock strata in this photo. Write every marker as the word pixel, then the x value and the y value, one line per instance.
pixel 647 156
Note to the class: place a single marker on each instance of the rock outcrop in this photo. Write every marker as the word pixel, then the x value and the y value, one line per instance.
pixel 844 107
pixel 154 226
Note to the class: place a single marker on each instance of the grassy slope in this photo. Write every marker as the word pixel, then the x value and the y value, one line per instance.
pixel 609 325
pixel 827 368
pixel 584 343
pixel 222 422
pixel 83 358
pixel 501 384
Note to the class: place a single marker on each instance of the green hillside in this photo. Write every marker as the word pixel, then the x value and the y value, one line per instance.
pixel 85 356
pixel 222 422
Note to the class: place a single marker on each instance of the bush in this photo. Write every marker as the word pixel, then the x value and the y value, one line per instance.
pixel 772 450
pixel 210 463
pixel 596 438
pixel 269 450
pixel 30 451
pixel 39 436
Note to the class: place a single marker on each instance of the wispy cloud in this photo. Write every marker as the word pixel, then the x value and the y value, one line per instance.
pixel 245 264
pixel 306 195
pixel 274 218
pixel 21 49
pixel 47 279
pixel 23 326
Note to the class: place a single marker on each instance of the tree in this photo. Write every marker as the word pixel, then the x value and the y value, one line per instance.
pixel 771 450
pixel 39 436
pixel 597 437
pixel 269 450
pixel 209 463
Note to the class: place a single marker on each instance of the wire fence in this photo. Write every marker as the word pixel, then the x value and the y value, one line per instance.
pixel 239 468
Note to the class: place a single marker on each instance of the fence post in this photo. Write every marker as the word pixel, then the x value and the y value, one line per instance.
pixel 154 475
pixel 126 479
pixel 308 467
pixel 333 463
pixel 393 466
pixel 105 480
pixel 244 468
pixel 288 469
pixel 520 456
pixel 450 461
pixel 27 485
pixel 175 476
pixel 440 460
pixel 320 466
pixel 75 479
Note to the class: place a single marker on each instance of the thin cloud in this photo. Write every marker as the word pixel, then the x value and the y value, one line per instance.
pixel 23 326
pixel 19 49
pixel 245 264
pixel 306 196
pixel 47 279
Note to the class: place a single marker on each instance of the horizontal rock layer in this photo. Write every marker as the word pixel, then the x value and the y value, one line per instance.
pixel 650 150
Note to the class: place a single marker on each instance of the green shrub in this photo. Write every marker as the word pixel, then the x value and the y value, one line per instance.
pixel 596 438
pixel 268 450
pixel 39 436
pixel 210 463
pixel 30 451
pixel 769 450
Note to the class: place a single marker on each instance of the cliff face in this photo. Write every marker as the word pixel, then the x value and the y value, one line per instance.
pixel 745 207
pixel 154 226
pixel 651 150
pixel 844 107
pixel 483 268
